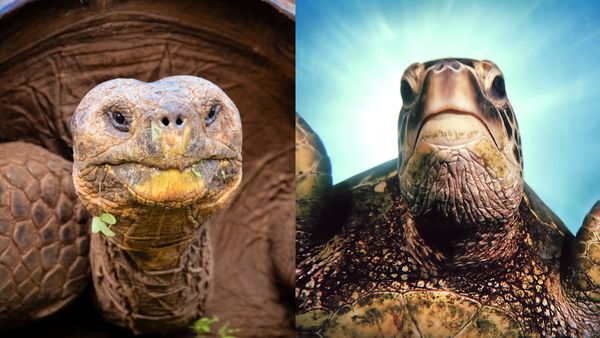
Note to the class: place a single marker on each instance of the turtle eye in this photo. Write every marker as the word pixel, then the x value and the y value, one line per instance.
pixel 498 90
pixel 119 120
pixel 212 114
pixel 408 95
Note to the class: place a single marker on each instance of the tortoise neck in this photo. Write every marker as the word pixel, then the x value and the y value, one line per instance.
pixel 154 275
pixel 152 290
pixel 156 238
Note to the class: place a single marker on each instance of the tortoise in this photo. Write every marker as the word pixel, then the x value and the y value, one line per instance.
pixel 156 75
pixel 447 239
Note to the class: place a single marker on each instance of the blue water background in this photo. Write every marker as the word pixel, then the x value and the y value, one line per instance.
pixel 351 54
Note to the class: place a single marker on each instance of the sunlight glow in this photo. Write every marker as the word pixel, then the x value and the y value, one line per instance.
pixel 351 54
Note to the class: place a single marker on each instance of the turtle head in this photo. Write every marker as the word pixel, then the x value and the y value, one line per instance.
pixel 459 145
pixel 164 147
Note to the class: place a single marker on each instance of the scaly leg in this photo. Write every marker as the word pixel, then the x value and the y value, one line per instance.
pixel 43 234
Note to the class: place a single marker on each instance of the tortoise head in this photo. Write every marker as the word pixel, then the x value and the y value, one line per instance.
pixel 167 146
pixel 459 145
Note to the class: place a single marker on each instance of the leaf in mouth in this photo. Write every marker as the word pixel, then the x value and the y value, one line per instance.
pixel 108 218
pixel 99 224
pixel 196 172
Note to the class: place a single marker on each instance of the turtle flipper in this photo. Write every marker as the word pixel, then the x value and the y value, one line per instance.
pixel 587 257
pixel 585 268
pixel 313 181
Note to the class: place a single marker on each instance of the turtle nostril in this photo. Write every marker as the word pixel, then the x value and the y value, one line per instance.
pixel 454 65
pixel 179 121
pixel 448 64
pixel 165 121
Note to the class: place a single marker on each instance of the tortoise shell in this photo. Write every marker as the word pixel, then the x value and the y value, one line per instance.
pixel 53 53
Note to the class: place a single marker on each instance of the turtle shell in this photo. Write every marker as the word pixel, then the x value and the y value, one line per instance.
pixel 411 314
pixel 363 275
pixel 53 52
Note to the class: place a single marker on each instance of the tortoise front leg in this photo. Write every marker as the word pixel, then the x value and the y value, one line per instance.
pixel 43 234
pixel 585 269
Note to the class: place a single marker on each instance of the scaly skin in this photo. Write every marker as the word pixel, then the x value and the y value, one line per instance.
pixel 381 254
pixel 247 49
pixel 43 234
pixel 162 157
pixel 461 247
pixel 585 265
pixel 313 180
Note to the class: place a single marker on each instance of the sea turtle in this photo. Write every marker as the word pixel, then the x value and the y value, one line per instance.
pixel 157 272
pixel 446 240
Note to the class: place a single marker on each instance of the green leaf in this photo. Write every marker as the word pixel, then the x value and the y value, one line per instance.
pixel 196 172
pixel 99 226
pixel 223 174
pixel 202 325
pixel 96 224
pixel 106 231
pixel 155 131
pixel 108 218
pixel 227 332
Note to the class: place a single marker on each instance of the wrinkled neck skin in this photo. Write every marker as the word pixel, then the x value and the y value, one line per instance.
pixel 447 247
pixel 154 274
pixel 156 237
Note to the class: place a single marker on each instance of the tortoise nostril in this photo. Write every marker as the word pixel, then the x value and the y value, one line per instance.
pixel 165 121
pixel 179 121
pixel 454 65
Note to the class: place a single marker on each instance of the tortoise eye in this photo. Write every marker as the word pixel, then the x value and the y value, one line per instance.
pixel 212 114
pixel 119 120
pixel 408 95
pixel 498 89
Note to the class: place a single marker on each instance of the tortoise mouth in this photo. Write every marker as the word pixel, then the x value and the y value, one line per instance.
pixel 452 129
pixel 207 179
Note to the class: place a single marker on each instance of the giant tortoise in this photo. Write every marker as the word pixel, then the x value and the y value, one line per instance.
pixel 157 147
pixel 447 240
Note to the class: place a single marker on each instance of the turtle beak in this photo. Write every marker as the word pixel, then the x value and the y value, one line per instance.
pixel 451 87
pixel 451 111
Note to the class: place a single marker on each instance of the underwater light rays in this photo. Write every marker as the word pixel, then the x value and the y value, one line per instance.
pixel 351 96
